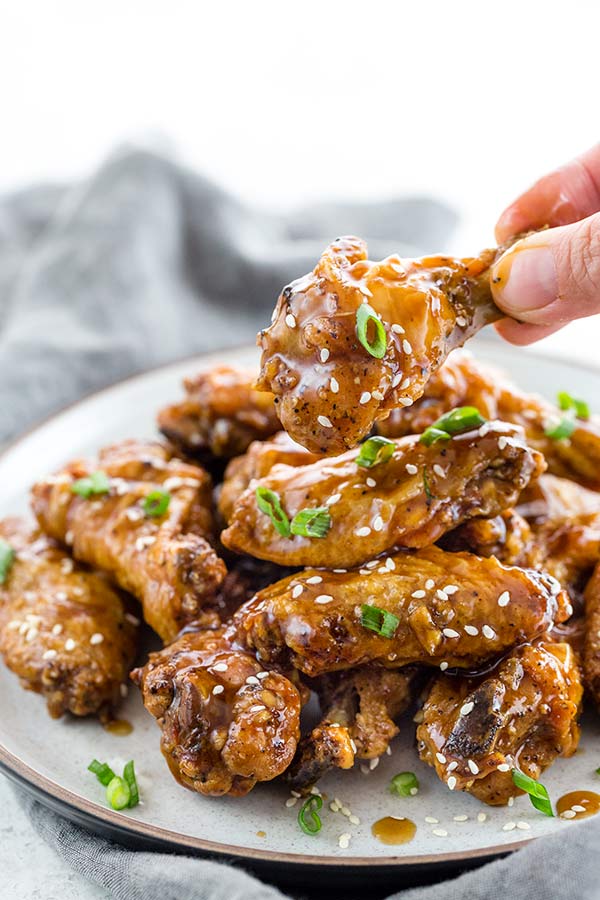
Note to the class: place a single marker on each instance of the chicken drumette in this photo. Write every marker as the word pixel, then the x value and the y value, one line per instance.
pixel 523 715
pixel 409 500
pixel 157 552
pixel 354 339
pixel 226 722
pixel 63 629
pixel 437 608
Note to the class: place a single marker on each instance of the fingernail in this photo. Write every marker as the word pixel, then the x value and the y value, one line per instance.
pixel 524 278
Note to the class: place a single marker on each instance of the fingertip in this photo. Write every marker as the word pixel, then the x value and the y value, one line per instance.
pixel 522 333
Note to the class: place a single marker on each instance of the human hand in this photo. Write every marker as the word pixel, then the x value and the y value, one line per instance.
pixel 553 276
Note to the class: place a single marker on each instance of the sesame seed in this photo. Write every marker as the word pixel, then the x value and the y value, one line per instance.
pixel 443 665
pixel 69 644
pixel 291 801
pixel 290 321
pixel 295 794
pixel 324 598
pixel 144 541
pixel 568 814
pixel 124 690
pixel 352 743
pixel 371 482
pixel 390 564
pixel 340 571
pixel 407 346
pixel 504 598
pixel 324 354
pixel 344 840
pixel 441 595
pixel 13 624
pixel 488 632
pixel 481 817
pixel 315 790
pixel 132 619
pixel 66 566
pixel 462 818
pixel 258 708
pixel 220 667
pixel 354 820
pixel 365 531
pixel 388 750
pixel 334 807
pixel 96 638
pixel 451 782
pixel 373 763
pixel 473 766
pixel 441 758
pixel 396 379
pixel 439 832
pixel 509 826
pixel 377 395
pixel 510 801
pixel 419 716
pixel 60 596
pixel 439 471
pixel 364 397
pixel 397 329
pixel 405 401
pixel 411 469
pixel 431 820
pixel 577 808
pixel 461 321
pixel 49 654
pixel 450 633
pixel 57 629
pixel 503 767
pixel 372 564
pixel 324 421
pixel 502 442
pixel 252 679
pixel 218 689
pixel 524 826
pixel 314 579
pixel 452 766
pixel 69 537
pixel 134 514
pixel 335 498
pixel 364 769
pixel 377 523
pixel 466 708
pixel 418 594
pixel 296 591
pixel 472 630
pixel 261 675
pixel 450 589
pixel 334 385
pixel 31 634
pixel 429 584
pixel 345 811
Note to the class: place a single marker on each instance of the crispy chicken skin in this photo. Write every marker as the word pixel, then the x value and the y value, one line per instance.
pixel 507 536
pixel 591 647
pixel 463 381
pixel 452 608
pixel 408 501
pixel 221 414
pixel 63 630
pixel 523 715
pixel 226 723
pixel 360 708
pixel 257 462
pixel 330 388
pixel 165 562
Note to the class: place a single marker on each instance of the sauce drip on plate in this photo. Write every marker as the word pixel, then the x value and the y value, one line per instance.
pixel 120 727
pixel 578 805
pixel 394 830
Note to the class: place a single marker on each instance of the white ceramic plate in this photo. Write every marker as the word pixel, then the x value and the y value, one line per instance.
pixel 51 757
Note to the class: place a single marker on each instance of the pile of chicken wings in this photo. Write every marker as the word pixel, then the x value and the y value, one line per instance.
pixel 377 519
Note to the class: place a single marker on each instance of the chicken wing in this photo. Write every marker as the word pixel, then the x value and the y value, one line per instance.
pixel 508 537
pixel 523 715
pixel 591 649
pixel 448 609
pixel 354 339
pixel 360 708
pixel 162 559
pixel 64 630
pixel 410 500
pixel 220 416
pixel 226 723
pixel 463 381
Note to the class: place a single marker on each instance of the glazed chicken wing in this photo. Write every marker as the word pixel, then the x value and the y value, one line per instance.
pixel 360 708
pixel 226 723
pixel 507 536
pixel 591 648
pixel 220 416
pixel 410 500
pixel 463 381
pixel 411 313
pixel 448 609
pixel 63 630
pixel 162 559
pixel 523 715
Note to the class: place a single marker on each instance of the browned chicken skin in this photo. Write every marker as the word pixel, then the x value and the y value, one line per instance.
pixel 63 630
pixel 591 641
pixel 453 609
pixel 408 501
pixel 221 415
pixel 163 561
pixel 226 723
pixel 330 388
pixel 523 715
pixel 507 536
pixel 463 381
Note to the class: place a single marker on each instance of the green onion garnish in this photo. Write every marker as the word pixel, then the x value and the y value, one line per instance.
pixel 379 620
pixel 268 502
pixel 432 434
pixel 463 418
pixel 375 450
pixel 366 316
pixel 156 504
pixel 311 522
pixel 7 558
pixel 102 771
pixel 117 793
pixel 564 428
pixel 579 407
pixel 92 485
pixel 537 792
pixel 131 782
pixel 405 784
pixel 309 808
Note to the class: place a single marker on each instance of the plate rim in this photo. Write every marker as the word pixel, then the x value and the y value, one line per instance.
pixel 16 769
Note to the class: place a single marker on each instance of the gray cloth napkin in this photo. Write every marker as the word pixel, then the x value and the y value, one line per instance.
pixel 143 263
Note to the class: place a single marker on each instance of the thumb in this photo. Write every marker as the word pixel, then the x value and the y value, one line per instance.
pixel 551 277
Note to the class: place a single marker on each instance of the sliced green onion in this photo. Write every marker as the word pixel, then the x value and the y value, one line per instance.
pixel 366 316
pixel 131 782
pixel 579 407
pixel 117 793
pixel 598 771
pixel 404 784
pixel 379 620
pixel 102 771
pixel 375 450
pixel 94 484
pixel 309 808
pixel 463 418
pixel 537 792
pixel 432 434
pixel 268 502
pixel 312 522
pixel 561 430
pixel 7 558
pixel 156 504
